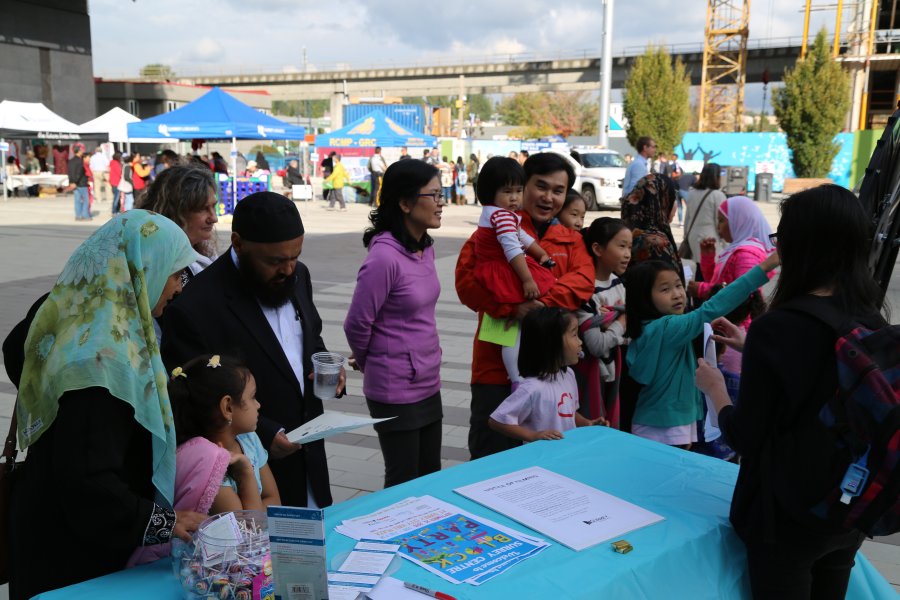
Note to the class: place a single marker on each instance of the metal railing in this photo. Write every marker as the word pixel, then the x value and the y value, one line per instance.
pixel 189 70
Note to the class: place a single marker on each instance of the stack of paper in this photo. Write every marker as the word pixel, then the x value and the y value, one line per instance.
pixel 446 540
pixel 361 570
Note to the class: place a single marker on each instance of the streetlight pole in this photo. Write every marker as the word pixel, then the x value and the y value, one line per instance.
pixel 606 73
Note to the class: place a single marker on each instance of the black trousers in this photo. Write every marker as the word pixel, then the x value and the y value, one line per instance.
pixel 411 440
pixel 483 440
pixel 411 453
pixel 376 183
pixel 803 568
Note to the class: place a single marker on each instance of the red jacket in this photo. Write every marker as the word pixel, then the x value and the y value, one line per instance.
pixel 575 284
pixel 115 173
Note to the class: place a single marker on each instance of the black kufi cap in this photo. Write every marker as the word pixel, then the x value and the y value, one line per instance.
pixel 267 218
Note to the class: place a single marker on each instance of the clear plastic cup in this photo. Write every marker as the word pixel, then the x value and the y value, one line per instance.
pixel 327 374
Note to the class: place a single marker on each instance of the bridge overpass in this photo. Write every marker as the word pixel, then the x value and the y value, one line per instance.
pixel 490 75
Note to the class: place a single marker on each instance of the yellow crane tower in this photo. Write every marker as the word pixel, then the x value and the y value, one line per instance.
pixel 724 65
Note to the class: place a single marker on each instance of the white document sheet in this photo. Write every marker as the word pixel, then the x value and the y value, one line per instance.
pixel 328 424
pixel 566 510
pixel 709 355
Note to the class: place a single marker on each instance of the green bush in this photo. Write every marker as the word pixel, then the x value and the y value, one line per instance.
pixel 812 109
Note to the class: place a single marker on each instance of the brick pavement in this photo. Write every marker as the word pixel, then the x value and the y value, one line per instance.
pixel 36 237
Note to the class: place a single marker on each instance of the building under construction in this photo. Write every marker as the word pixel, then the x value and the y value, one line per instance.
pixel 865 39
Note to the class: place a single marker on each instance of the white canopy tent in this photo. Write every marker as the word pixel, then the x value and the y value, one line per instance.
pixel 32 119
pixel 114 125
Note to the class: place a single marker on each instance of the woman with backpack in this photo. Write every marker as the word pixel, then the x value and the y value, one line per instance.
pixel 801 537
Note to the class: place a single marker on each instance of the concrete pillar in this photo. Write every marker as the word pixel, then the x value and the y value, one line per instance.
pixel 338 100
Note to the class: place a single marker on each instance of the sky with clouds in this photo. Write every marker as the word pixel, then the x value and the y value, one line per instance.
pixel 206 36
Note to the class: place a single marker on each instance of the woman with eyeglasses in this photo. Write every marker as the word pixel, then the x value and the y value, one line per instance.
pixel 790 459
pixel 391 326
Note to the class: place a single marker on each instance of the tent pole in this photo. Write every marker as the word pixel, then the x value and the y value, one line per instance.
pixel 3 163
pixel 234 170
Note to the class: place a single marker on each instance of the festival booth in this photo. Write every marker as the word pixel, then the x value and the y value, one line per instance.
pixel 113 125
pixel 670 505
pixel 217 115
pixel 356 143
pixel 29 120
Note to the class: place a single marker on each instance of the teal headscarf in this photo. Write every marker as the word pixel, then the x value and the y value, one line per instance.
pixel 96 330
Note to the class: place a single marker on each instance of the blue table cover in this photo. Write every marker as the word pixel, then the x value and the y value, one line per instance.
pixel 694 553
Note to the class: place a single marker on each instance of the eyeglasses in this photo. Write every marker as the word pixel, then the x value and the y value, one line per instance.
pixel 773 237
pixel 436 197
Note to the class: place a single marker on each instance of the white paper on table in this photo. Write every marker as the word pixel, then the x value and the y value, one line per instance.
pixel 348 586
pixel 709 355
pixel 328 424
pixel 369 558
pixel 572 513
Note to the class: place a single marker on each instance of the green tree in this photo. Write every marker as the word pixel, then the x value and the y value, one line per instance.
pixel 157 71
pixel 657 99
pixel 314 109
pixel 811 109
pixel 481 105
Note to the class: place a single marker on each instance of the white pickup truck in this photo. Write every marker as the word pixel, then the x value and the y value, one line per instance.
pixel 598 175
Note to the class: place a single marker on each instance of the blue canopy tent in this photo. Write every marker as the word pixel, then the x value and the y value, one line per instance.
pixel 374 129
pixel 217 115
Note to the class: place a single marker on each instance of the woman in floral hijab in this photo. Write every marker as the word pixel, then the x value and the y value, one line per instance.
pixel 94 413
pixel 648 210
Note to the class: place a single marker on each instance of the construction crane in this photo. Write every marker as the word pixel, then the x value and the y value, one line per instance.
pixel 724 65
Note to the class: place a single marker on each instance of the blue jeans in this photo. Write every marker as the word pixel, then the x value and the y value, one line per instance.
pixel 82 203
pixel 681 200
pixel 447 194
pixel 115 202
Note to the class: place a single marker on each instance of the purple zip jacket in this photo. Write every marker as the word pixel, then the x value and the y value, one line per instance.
pixel 391 326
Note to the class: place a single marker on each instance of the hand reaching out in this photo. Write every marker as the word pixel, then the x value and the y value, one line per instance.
pixel 726 332
pixel 186 523
pixel 282 446
pixel 771 262
pixel 708 246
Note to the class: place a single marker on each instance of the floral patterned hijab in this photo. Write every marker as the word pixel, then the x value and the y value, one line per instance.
pixel 646 210
pixel 96 330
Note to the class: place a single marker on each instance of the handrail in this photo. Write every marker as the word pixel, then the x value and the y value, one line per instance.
pixel 201 70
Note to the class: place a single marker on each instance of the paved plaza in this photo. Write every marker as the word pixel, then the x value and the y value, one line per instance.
pixel 38 235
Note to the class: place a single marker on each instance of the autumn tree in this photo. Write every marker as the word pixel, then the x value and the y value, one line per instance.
pixel 538 114
pixel 657 99
pixel 811 108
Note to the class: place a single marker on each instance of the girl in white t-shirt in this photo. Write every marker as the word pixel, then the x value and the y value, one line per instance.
pixel 545 404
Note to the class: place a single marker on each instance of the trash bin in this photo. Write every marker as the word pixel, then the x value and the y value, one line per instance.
pixel 763 191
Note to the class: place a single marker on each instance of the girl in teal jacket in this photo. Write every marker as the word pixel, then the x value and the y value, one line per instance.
pixel 661 356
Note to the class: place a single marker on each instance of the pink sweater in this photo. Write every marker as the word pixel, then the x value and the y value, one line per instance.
pixel 741 260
